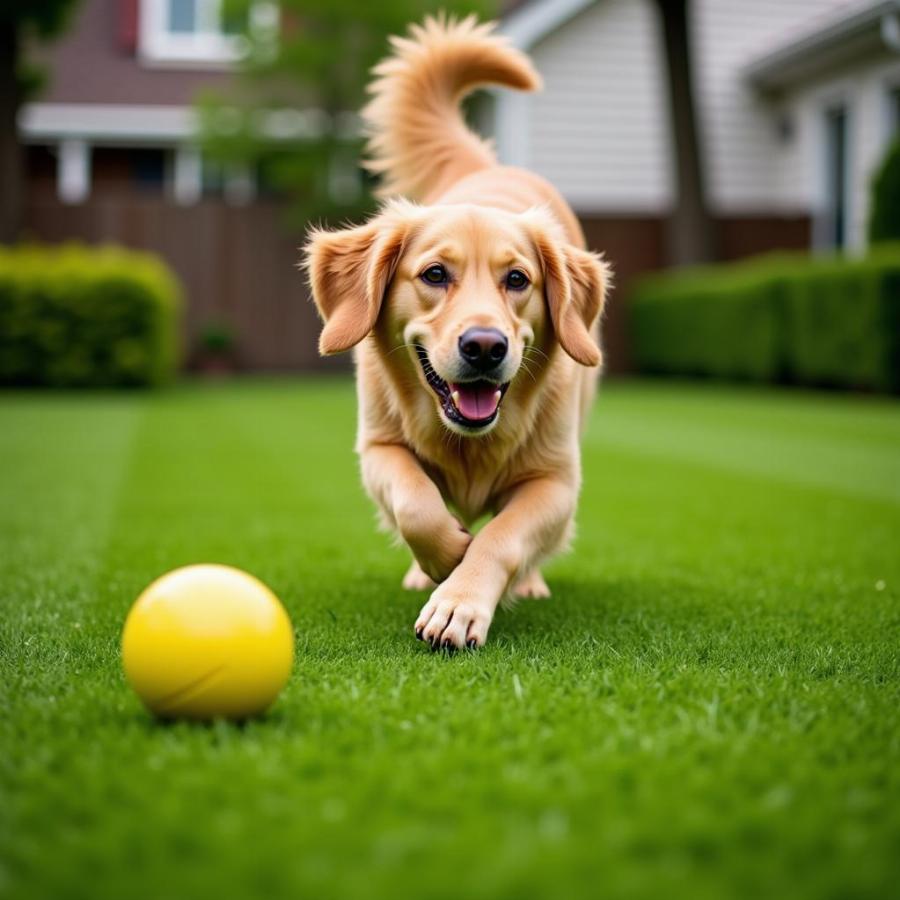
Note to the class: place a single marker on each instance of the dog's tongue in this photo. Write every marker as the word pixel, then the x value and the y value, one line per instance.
pixel 477 399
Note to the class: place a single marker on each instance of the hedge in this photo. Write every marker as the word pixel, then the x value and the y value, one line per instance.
pixel 822 322
pixel 73 316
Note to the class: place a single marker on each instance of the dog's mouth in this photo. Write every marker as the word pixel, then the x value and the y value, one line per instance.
pixel 471 404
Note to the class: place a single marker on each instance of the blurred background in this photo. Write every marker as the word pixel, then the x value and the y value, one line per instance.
pixel 707 708
pixel 211 133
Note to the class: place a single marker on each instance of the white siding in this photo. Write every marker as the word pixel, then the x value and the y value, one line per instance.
pixel 599 131
pixel 740 129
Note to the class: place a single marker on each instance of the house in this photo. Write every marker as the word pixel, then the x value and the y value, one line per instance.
pixel 112 157
pixel 797 101
pixel 119 104
pixel 833 91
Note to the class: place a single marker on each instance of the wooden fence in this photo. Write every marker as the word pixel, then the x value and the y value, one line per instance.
pixel 239 265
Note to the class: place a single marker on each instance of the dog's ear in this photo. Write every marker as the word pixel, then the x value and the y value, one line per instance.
pixel 349 273
pixel 575 284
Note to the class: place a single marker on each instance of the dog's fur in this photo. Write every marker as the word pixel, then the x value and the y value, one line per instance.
pixel 432 477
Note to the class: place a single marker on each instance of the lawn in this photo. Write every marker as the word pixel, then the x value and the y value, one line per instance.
pixel 708 706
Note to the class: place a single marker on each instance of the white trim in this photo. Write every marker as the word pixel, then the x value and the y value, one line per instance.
pixel 526 26
pixel 126 124
pixel 876 23
pixel 73 171
pixel 107 122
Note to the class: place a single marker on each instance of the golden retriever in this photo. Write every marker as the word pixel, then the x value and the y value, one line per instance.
pixel 473 309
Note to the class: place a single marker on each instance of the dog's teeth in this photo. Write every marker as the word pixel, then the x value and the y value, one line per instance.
pixel 497 396
pixel 455 398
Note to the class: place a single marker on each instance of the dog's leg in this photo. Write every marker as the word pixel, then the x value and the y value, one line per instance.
pixel 416 580
pixel 412 503
pixel 533 523
pixel 531 585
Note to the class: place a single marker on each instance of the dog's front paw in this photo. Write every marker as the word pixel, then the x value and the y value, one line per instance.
pixel 438 542
pixel 451 621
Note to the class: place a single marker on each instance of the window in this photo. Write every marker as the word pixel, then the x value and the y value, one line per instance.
pixel 148 169
pixel 834 224
pixel 182 17
pixel 198 31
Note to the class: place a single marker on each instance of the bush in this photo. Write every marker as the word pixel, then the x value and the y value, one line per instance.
pixel 77 316
pixel 884 222
pixel 817 322
pixel 685 323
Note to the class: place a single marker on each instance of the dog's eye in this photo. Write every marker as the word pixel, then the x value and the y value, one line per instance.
pixel 435 274
pixel 517 280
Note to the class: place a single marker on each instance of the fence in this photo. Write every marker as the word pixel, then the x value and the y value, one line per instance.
pixel 239 265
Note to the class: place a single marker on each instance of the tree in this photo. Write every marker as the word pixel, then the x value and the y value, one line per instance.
pixel 20 21
pixel 691 231
pixel 292 112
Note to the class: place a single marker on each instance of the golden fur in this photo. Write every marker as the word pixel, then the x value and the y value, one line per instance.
pixel 432 477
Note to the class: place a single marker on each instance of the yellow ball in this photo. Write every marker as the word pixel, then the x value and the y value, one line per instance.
pixel 207 641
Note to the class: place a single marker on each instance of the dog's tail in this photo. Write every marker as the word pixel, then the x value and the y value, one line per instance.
pixel 417 137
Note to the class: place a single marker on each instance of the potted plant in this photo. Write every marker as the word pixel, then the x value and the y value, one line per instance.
pixel 216 349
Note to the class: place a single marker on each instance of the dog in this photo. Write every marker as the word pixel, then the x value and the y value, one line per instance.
pixel 474 309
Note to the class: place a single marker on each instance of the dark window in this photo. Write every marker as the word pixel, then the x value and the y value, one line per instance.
pixel 40 167
pixel 128 170
pixel 835 233
pixel 148 169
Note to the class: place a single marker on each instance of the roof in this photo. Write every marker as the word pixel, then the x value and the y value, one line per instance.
pixel 841 39
pixel 527 23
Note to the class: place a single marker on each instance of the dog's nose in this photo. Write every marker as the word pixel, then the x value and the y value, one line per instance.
pixel 483 348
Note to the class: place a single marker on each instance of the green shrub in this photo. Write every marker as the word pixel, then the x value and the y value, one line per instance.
pixel 884 222
pixel 817 322
pixel 685 323
pixel 839 324
pixel 78 316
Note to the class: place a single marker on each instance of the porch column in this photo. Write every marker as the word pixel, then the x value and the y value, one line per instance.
pixel 73 170
pixel 187 182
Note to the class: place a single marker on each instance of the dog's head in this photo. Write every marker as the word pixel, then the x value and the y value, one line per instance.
pixel 468 292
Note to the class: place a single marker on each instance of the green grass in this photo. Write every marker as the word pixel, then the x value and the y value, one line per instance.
pixel 707 707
